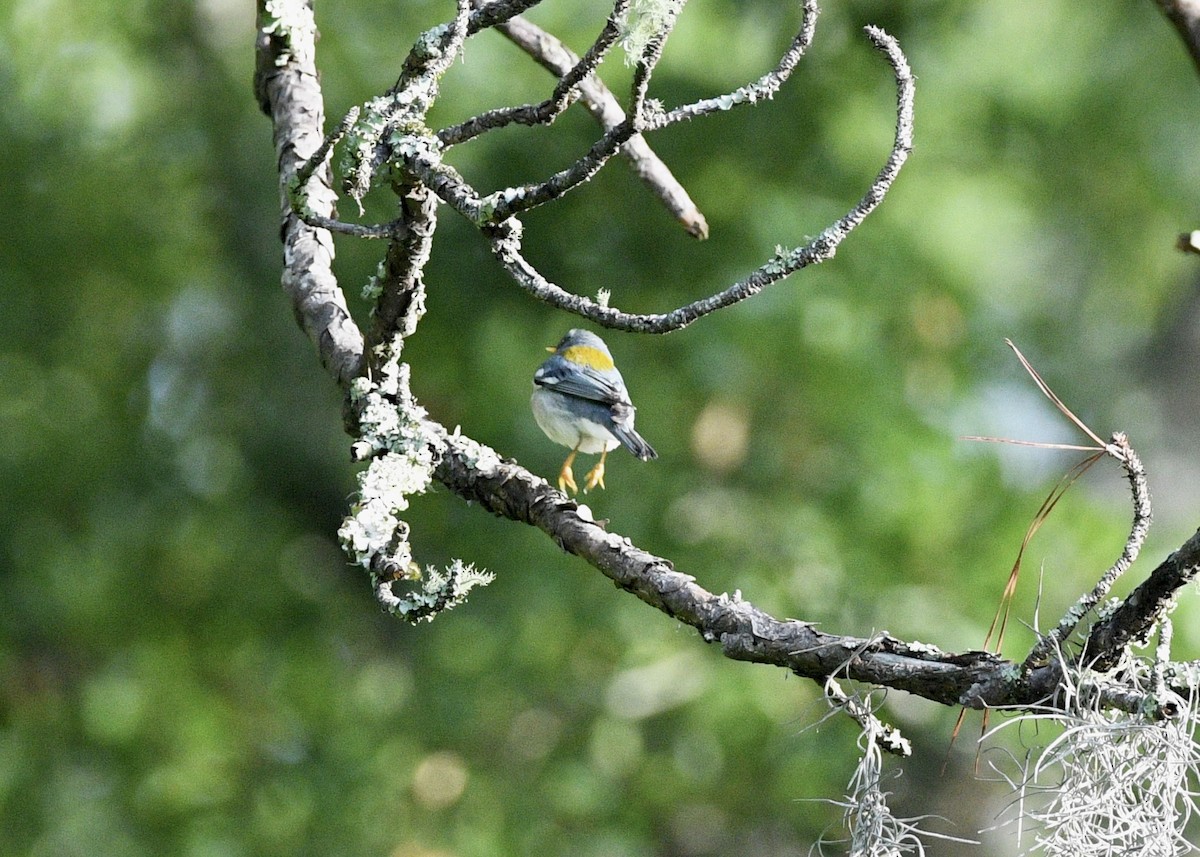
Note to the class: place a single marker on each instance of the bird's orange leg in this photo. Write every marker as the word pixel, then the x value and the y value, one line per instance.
pixel 596 474
pixel 566 476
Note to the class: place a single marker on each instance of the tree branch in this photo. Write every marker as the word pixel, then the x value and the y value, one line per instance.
pixel 399 286
pixel 565 91
pixel 289 92
pixel 763 88
pixel 1137 615
pixel 496 12
pixel 1119 449
pixel 974 679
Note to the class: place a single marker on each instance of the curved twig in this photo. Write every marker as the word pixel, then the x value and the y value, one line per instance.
pixel 1119 449
pixel 763 88
pixel 506 237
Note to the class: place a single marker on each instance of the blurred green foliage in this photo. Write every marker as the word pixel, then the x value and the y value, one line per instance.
pixel 188 665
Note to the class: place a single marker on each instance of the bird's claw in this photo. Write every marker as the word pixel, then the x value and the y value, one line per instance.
pixel 595 477
pixel 566 479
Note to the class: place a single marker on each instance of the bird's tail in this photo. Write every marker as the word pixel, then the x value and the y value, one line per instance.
pixel 634 442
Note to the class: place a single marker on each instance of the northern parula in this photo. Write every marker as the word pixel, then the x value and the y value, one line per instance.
pixel 580 401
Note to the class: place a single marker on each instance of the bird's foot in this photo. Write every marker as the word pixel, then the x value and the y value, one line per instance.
pixel 595 477
pixel 566 479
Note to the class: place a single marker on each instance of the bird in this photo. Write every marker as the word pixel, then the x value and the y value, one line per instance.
pixel 580 401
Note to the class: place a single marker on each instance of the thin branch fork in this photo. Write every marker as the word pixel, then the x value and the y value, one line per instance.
pixel 559 60
pixel 565 91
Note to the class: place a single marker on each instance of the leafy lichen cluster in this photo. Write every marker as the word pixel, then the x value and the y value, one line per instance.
pixel 403 450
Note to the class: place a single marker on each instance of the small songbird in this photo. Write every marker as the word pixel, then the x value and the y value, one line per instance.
pixel 580 401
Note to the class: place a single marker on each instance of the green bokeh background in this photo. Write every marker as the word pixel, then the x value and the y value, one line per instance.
pixel 189 666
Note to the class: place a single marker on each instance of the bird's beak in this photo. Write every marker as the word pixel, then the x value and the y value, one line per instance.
pixel 551 348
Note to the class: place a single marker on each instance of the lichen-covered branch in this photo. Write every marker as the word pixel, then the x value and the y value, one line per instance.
pixel 286 84
pixel 974 679
pixel 1119 449
pixel 741 630
pixel 506 236
pixel 564 94
pixel 402 448
pixel 398 115
pixel 558 59
pixel 399 286
pixel 752 93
